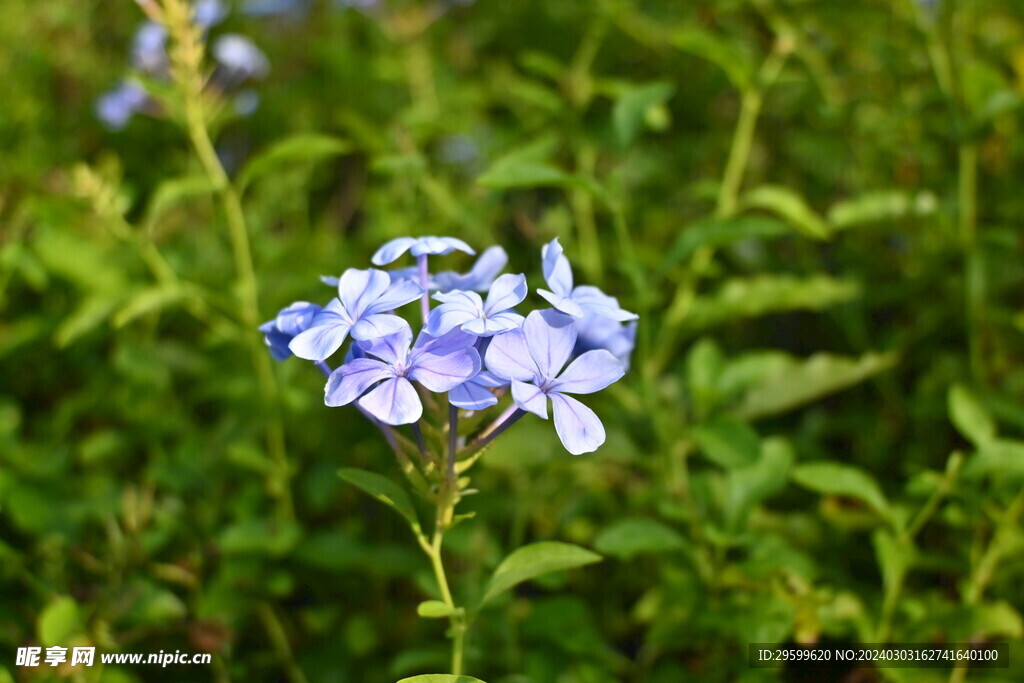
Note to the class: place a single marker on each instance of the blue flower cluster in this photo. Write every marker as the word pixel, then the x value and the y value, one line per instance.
pixel 238 62
pixel 475 348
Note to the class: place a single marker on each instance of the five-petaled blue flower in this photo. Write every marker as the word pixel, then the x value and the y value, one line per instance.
pixel 438 363
pixel 579 300
pixel 468 312
pixel 418 246
pixel 363 298
pixel 531 358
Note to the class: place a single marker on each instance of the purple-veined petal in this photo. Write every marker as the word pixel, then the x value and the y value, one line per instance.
pixel 439 246
pixel 489 379
pixel 593 300
pixel 392 348
pixel 508 356
pixel 530 398
pixel 591 372
pixel 445 362
pixel 507 291
pixel 378 325
pixel 447 317
pixel 394 401
pixel 565 304
pixel 557 271
pixel 398 294
pixel 360 288
pixel 472 395
pixel 504 321
pixel 326 336
pixel 348 382
pixel 392 250
pixel 578 427
pixel 551 336
pixel 485 327
pixel 481 275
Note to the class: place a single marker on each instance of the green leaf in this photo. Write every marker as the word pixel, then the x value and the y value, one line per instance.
pixel 384 490
pixel 727 442
pixel 59 621
pixel 969 417
pixel 726 54
pixel 786 383
pixel 766 294
pixel 836 479
pixel 173 192
pixel 260 537
pixel 789 206
pixel 628 538
pixel 148 300
pixel 534 560
pixel 440 678
pixel 632 105
pixel 893 559
pixel 529 167
pixel 303 147
pixel 881 205
pixel 90 314
pixel 747 486
pixel 434 609
pixel 718 232
pixel 1002 457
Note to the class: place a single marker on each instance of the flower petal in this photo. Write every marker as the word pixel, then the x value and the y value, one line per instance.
pixel 557 271
pixel 321 341
pixel 481 275
pixel 447 317
pixel 392 348
pixel 593 300
pixel 392 250
pixel 360 288
pixel 551 336
pixel 530 398
pixel 508 356
pixel 507 291
pixel 443 363
pixel 297 317
pixel 578 427
pixel 348 382
pixel 472 395
pixel 378 325
pixel 393 402
pixel 565 304
pixel 398 294
pixel 591 372
pixel 439 246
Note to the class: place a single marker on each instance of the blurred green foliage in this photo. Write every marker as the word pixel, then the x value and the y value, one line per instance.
pixel 813 205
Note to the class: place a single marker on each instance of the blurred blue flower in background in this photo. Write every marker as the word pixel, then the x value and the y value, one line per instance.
pixel 116 107
pixel 532 356
pixel 579 300
pixel 240 57
pixel 598 332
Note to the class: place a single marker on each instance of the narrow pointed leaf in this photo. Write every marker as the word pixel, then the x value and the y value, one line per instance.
pixel 384 490
pixel 534 560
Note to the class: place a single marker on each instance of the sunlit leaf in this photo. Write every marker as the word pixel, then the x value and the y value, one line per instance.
pixel 534 560
pixel 836 479
pixel 300 148
pixel 384 490
pixel 788 205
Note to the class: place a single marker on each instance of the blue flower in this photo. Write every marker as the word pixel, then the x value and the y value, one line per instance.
pixel 240 57
pixel 209 13
pixel 475 393
pixel 363 298
pixel 575 301
pixel 468 312
pixel 291 321
pixel 438 363
pixel 149 48
pixel 598 332
pixel 418 246
pixel 116 107
pixel 532 356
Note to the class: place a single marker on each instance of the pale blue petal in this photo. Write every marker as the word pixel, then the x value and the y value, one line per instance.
pixel 411 273
pixel 439 246
pixel 577 425
pixel 598 332
pixel 330 280
pixel 297 317
pixel 360 288
pixel 489 379
pixel 392 348
pixel 504 321
pixel 530 398
pixel 551 336
pixel 591 372
pixel 593 300
pixel 348 382
pixel 392 250
pixel 564 304
pixel 398 294
pixel 557 271
pixel 378 325
pixel 393 402
pixel 472 395
pixel 326 335
pixel 447 317
pixel 507 291
pixel 276 341
pixel 479 278
pixel 443 363
pixel 508 356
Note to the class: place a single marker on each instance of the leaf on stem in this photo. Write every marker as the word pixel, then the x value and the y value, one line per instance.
pixel 384 490
pixel 534 560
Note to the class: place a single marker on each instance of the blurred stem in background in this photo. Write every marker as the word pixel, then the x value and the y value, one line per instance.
pixel 186 56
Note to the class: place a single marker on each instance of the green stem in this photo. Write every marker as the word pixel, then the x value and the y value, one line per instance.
pixel 974 288
pixel 739 153
pixel 458 625
pixel 279 640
